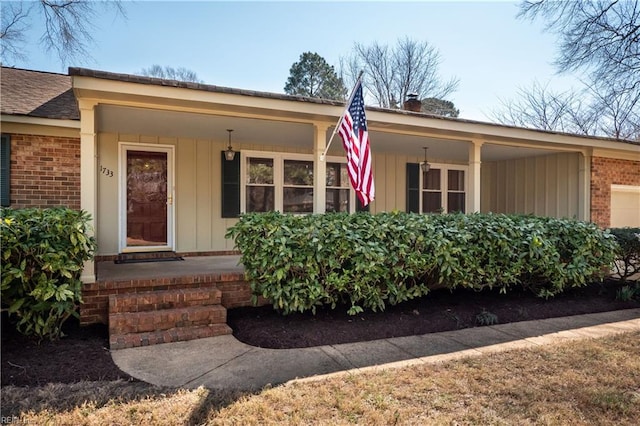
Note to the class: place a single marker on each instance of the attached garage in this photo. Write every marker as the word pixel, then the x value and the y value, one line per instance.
pixel 625 206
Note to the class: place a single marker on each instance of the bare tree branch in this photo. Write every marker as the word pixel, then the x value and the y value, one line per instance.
pixel 601 39
pixel 68 25
pixel 170 73
pixel 12 28
pixel 391 73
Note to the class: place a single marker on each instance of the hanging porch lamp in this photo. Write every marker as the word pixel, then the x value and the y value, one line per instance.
pixel 425 165
pixel 229 154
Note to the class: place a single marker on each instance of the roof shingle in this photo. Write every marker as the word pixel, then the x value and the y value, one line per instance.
pixel 37 94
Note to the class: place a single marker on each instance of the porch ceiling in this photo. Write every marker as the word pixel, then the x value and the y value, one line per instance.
pixel 130 120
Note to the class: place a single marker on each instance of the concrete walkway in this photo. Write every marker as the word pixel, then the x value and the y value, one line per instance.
pixel 226 363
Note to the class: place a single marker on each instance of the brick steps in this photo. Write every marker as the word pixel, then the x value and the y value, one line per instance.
pixel 166 336
pixel 162 316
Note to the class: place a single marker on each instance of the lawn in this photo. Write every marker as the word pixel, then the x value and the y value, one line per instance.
pixel 595 381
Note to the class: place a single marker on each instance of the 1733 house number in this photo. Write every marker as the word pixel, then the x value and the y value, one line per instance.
pixel 106 172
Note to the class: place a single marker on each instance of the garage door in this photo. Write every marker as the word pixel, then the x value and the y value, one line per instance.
pixel 625 206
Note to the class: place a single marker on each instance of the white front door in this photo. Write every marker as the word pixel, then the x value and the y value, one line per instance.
pixel 146 198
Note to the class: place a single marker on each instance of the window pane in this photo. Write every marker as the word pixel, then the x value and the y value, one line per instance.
pixel 456 180
pixel 260 171
pixel 337 175
pixel 431 202
pixel 431 179
pixel 298 200
pixel 337 200
pixel 298 173
pixel 260 198
pixel 455 201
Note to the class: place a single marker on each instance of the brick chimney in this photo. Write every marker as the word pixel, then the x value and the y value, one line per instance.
pixel 412 103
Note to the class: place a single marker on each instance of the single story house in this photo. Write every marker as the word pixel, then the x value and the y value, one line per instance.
pixel 147 158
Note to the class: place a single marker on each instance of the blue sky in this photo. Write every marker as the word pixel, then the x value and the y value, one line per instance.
pixel 252 45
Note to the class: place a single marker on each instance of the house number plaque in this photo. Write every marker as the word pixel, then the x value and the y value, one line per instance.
pixel 105 171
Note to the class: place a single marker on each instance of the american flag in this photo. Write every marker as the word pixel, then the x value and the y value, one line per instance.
pixel 355 139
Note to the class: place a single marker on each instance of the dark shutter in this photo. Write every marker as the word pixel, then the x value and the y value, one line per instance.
pixel 5 170
pixel 230 186
pixel 360 208
pixel 413 187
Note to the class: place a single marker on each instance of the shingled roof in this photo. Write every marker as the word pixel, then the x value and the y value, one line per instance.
pixel 37 94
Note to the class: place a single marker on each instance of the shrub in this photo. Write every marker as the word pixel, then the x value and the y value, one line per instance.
pixel 300 262
pixel 43 251
pixel 628 293
pixel 627 261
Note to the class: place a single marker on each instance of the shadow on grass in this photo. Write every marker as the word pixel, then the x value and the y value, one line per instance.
pixel 91 396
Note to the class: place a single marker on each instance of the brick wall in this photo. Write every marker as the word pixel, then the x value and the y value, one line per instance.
pixel 604 173
pixel 45 171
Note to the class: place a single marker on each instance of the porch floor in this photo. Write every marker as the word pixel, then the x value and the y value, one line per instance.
pixel 197 265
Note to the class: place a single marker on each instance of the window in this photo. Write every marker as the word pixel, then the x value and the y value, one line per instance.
pixel 455 193
pixel 298 186
pixel 260 187
pixel 285 182
pixel 443 189
pixel 338 199
pixel 431 191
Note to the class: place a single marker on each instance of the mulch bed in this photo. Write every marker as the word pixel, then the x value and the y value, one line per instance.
pixel 84 355
pixel 441 310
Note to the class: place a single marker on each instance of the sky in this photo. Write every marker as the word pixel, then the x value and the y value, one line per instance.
pixel 252 45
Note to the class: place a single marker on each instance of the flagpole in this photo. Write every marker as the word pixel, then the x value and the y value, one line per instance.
pixel 335 130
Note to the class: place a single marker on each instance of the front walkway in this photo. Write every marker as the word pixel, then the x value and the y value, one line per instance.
pixel 225 363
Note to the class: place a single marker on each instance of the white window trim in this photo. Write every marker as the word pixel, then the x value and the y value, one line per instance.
pixel 444 184
pixel 278 176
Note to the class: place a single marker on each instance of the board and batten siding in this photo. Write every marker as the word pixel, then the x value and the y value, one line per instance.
pixel 199 226
pixel 545 185
pixel 389 173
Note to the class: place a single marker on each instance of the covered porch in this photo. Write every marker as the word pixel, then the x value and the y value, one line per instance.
pixel 279 141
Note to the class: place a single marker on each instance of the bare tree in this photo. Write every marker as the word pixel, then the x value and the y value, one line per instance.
pixel 67 27
pixel 600 39
pixel 617 110
pixel 170 73
pixel 595 110
pixel 540 108
pixel 392 72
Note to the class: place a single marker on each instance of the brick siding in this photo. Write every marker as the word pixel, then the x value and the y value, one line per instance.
pixel 604 173
pixel 45 171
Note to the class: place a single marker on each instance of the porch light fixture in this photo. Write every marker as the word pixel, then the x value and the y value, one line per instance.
pixel 229 154
pixel 425 166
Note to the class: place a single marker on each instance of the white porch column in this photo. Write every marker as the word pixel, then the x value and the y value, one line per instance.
pixel 88 175
pixel 475 148
pixel 584 186
pixel 319 168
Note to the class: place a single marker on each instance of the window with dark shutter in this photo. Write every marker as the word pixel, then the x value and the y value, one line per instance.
pixel 5 170
pixel 230 186
pixel 413 187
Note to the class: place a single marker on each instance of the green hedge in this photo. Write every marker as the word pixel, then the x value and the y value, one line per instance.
pixel 43 251
pixel 367 261
pixel 628 259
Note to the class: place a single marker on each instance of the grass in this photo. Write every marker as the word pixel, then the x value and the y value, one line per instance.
pixel 595 381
